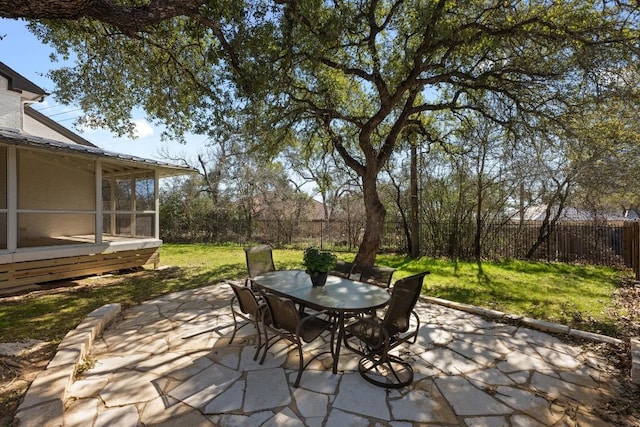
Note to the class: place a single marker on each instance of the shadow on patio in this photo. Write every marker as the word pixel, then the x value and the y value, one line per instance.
pixel 468 371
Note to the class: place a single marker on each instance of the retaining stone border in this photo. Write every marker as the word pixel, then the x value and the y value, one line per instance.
pixel 544 326
pixel 541 325
pixel 43 404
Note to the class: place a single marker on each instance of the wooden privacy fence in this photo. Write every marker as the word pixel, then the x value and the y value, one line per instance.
pixel 592 243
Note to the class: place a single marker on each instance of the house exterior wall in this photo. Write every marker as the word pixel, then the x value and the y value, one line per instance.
pixel 48 184
pixel 10 107
pixel 34 127
pixel 35 226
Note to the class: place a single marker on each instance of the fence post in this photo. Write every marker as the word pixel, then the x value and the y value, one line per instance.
pixel 632 247
pixel 635 239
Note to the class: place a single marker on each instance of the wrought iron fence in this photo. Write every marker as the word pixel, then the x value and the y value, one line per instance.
pixel 573 242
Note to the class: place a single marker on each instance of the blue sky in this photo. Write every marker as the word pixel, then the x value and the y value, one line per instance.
pixel 22 51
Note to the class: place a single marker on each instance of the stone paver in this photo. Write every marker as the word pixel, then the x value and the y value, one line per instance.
pixel 168 362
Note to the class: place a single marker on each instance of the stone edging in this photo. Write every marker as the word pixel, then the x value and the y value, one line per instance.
pixel 554 328
pixel 43 404
pixel 541 325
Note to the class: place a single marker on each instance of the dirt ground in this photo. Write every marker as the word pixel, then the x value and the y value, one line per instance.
pixel 21 362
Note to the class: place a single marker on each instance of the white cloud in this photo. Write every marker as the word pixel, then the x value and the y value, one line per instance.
pixel 143 129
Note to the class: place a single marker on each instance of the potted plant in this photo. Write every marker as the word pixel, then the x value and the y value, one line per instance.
pixel 317 264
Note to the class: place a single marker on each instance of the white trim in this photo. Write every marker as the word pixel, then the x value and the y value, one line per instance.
pixel 51 252
pixel 132 218
pixel 56 211
pixel 128 212
pixel 98 202
pixel 12 199
pixel 156 200
pixel 112 206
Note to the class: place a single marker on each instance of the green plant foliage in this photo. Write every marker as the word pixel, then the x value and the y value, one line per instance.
pixel 356 75
pixel 316 261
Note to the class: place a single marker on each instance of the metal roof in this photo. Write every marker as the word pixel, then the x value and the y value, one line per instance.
pixel 127 163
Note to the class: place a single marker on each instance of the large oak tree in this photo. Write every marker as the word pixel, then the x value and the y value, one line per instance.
pixel 351 73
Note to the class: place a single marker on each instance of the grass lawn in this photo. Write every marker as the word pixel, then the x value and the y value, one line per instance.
pixel 579 296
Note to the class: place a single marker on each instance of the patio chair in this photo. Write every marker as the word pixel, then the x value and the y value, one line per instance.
pixel 259 261
pixel 376 275
pixel 247 306
pixel 373 337
pixel 288 323
pixel 342 269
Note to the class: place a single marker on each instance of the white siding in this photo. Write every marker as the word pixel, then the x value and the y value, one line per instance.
pixel 52 184
pixel 37 227
pixel 10 108
pixel 34 127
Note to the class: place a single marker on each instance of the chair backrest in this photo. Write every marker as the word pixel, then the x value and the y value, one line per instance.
pixel 259 260
pixel 403 300
pixel 247 300
pixel 342 268
pixel 373 274
pixel 284 313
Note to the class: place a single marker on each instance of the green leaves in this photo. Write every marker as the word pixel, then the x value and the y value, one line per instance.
pixel 316 261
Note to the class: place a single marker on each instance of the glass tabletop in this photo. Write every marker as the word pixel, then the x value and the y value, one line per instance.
pixel 338 294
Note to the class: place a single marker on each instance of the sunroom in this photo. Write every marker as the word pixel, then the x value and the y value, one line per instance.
pixel 68 208
pixel 68 211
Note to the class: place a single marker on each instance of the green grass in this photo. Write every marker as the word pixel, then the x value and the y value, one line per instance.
pixel 579 296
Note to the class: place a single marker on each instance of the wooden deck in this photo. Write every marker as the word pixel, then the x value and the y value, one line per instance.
pixel 17 276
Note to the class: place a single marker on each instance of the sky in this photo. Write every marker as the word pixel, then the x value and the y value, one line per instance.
pixel 24 53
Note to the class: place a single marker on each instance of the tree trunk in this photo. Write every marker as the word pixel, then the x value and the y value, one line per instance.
pixel 414 249
pixel 375 215
pixel 477 239
pixel 549 223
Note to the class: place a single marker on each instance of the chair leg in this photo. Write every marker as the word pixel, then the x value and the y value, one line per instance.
pixel 235 327
pixel 266 344
pixel 397 373
pixel 301 366
pixel 332 339
pixel 259 346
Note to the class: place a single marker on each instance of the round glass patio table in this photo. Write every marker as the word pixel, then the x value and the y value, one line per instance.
pixel 340 296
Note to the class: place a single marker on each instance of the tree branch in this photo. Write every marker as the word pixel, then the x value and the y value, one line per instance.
pixel 128 18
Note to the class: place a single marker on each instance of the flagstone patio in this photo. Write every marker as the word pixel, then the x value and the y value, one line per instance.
pixel 168 362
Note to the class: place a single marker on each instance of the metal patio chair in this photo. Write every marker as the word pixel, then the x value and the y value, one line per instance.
pixel 247 306
pixel 373 337
pixel 376 275
pixel 259 261
pixel 342 269
pixel 288 323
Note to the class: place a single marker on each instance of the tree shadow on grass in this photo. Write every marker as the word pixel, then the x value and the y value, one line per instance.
pixel 57 308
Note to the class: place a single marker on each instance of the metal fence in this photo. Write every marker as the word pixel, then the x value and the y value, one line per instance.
pixel 568 242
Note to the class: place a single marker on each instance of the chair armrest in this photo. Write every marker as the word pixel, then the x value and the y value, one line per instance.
pixel 375 343
pixel 414 333
pixel 316 324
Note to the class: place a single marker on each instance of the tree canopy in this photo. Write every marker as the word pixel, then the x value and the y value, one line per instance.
pixel 351 74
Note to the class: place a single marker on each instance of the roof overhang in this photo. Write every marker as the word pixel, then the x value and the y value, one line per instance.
pixel 18 83
pixel 117 163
